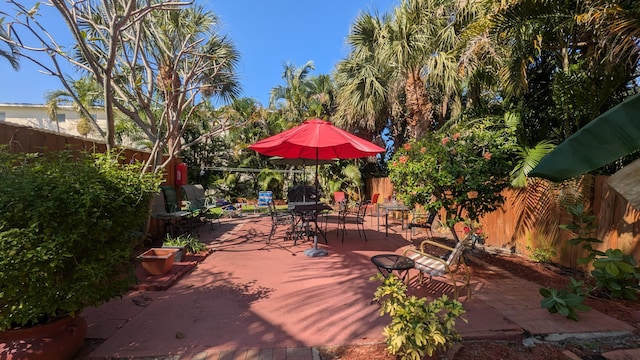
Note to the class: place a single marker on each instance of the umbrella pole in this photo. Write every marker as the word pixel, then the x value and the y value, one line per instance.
pixel 315 251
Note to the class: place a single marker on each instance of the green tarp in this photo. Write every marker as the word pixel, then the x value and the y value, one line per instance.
pixel 608 137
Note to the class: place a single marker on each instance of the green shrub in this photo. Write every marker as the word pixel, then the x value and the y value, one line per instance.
pixel 69 225
pixel 417 327
pixel 617 274
pixel 542 254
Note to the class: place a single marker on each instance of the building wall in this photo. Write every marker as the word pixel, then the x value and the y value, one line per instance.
pixel 35 115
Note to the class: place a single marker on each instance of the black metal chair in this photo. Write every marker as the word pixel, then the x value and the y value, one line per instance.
pixel 358 218
pixel 280 219
pixel 427 224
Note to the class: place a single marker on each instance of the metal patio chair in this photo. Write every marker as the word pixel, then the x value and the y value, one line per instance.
pixel 442 261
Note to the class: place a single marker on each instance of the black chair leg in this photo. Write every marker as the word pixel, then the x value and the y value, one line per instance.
pixel 363 232
pixel 273 230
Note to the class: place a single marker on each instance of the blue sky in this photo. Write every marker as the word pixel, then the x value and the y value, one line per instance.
pixel 267 34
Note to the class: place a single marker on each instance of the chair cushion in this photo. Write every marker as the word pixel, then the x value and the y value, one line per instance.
pixel 428 265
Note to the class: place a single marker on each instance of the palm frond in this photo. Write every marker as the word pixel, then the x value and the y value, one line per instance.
pixel 528 158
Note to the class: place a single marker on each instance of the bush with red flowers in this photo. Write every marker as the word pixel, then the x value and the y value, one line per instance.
pixel 463 171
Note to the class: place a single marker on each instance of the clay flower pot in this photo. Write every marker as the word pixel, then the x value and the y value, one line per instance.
pixel 157 261
pixel 57 340
pixel 179 255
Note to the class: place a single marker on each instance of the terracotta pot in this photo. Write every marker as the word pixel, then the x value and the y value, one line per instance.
pixel 179 255
pixel 157 261
pixel 58 340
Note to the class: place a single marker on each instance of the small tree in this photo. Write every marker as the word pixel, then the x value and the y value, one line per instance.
pixel 463 171
pixel 156 62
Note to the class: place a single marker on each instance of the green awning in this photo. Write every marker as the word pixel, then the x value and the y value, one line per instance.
pixel 608 137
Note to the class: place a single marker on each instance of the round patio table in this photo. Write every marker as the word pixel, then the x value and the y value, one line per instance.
pixel 388 263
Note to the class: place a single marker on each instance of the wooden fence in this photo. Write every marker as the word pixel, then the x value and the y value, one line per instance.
pixel 27 139
pixel 530 219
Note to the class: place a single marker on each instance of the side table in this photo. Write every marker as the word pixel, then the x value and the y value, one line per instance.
pixel 388 263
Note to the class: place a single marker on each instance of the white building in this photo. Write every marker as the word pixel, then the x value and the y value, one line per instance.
pixel 36 116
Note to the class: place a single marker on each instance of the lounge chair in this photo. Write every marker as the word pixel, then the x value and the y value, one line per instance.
pixel 199 204
pixel 172 220
pixel 448 262
pixel 264 199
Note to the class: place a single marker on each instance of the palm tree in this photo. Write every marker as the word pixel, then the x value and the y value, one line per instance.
pixel 293 98
pixel 362 81
pixel 567 75
pixel 88 95
pixel 403 67
pixel 322 102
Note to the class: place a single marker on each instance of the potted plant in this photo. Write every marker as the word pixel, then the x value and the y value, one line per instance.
pixel 175 242
pixel 185 243
pixel 69 227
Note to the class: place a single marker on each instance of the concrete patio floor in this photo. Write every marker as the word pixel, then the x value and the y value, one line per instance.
pixel 253 300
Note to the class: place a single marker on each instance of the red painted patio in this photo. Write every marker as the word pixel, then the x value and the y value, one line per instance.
pixel 253 300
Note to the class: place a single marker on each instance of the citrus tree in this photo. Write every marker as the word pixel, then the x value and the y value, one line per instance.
pixel 462 170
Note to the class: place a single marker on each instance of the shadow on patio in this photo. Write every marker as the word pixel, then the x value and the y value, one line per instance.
pixel 251 295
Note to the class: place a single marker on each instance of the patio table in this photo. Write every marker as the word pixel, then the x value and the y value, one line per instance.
pixel 308 212
pixel 391 206
pixel 388 263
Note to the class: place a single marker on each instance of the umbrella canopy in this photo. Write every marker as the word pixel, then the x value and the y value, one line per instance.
pixel 608 137
pixel 316 139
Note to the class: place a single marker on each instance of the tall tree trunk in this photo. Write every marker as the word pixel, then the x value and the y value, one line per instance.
pixel 420 117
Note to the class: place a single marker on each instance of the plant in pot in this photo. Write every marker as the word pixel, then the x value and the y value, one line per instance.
pixel 69 227
pixel 187 243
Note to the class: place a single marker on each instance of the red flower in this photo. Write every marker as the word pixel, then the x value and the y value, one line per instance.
pixel 445 140
pixel 407 147
pixel 423 150
pixel 487 155
pixel 404 159
pixel 455 136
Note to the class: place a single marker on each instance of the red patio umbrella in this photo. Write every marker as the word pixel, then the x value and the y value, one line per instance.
pixel 318 140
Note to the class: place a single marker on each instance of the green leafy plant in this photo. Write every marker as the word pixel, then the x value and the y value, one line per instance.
pixel 583 226
pixel 565 302
pixel 542 254
pixel 417 327
pixel 190 243
pixel 617 273
pixel 69 227
pixel 614 273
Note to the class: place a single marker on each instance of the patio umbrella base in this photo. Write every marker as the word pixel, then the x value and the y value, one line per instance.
pixel 315 251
